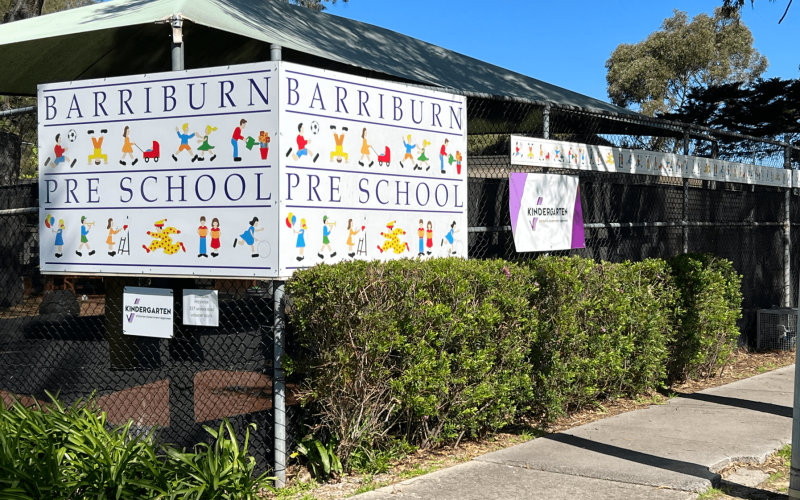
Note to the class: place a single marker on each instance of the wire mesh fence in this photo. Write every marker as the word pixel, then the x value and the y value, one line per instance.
pixel 63 334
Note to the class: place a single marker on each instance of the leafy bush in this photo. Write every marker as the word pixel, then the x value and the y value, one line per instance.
pixel 321 458
pixel 603 330
pixel 709 292
pixel 60 452
pixel 431 350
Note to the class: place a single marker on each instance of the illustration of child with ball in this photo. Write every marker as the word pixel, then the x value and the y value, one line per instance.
pixel 59 151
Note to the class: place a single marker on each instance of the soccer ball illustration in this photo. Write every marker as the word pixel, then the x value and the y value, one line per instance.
pixel 72 135
pixel 314 128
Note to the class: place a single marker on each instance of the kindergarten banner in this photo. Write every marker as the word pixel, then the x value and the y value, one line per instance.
pixel 546 212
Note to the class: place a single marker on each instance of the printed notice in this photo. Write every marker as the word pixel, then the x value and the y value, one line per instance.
pixel 201 307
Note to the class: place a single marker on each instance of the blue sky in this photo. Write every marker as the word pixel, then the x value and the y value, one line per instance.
pixel 565 42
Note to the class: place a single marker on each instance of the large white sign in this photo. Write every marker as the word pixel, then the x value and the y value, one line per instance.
pixel 147 312
pixel 161 174
pixel 546 212
pixel 247 171
pixel 526 151
pixel 369 170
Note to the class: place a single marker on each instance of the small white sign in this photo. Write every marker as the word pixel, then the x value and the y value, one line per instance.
pixel 201 307
pixel 147 312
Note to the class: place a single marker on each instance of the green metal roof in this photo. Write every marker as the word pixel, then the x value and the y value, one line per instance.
pixel 122 37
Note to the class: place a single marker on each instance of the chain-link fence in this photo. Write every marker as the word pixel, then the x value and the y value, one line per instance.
pixel 633 217
pixel 64 335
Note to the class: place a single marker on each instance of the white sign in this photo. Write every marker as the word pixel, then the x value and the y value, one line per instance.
pixel 201 307
pixel 147 312
pixel 526 151
pixel 545 212
pixel 369 170
pixel 160 174
pixel 247 171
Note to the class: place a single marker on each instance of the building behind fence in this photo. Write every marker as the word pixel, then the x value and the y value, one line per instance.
pixel 63 334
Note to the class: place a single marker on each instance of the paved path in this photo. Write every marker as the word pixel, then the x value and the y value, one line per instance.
pixel 663 452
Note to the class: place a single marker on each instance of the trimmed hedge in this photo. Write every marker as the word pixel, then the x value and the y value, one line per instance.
pixel 710 298
pixel 432 351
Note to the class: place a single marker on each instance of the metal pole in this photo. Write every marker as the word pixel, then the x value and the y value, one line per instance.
pixel 279 383
pixel 685 218
pixel 177 43
pixel 275 52
pixel 794 470
pixel 546 121
pixel 787 229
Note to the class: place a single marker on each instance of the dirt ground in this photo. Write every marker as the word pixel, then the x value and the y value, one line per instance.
pixel 746 365
pixel 774 488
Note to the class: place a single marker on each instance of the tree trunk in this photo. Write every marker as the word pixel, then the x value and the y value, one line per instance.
pixel 10 158
pixel 23 9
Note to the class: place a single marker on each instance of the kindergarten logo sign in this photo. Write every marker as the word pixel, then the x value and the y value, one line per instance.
pixel 147 312
pixel 546 212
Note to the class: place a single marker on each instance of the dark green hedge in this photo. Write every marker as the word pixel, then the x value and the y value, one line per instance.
pixel 436 350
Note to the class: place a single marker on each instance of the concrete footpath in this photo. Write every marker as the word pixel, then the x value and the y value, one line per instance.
pixel 665 452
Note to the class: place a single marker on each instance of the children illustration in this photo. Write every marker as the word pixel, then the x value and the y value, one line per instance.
pixel 541 153
pixel 351 231
pixel 127 147
pixel 339 153
pixel 111 232
pixel 327 229
pixel 291 221
pixel 530 152
pixel 59 232
pixel 249 237
pixel 422 158
pixel 215 237
pixel 429 238
pixel 184 137
pixel 59 151
pixel 263 143
pixel 450 237
pixel 409 145
pixel 421 234
pixel 162 239
pixel 97 153
pixel 392 240
pixel 237 136
pixel 205 146
pixel 365 149
pixel 443 154
pixel 202 231
pixel 302 146
pixel 86 226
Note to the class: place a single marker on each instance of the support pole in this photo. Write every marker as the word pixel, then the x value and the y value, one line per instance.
pixel 685 218
pixel 794 470
pixel 546 122
pixel 177 43
pixel 279 383
pixel 275 52
pixel 787 236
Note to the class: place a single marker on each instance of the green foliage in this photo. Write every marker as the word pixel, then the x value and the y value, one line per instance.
pixel 433 350
pixel 603 331
pixel 430 352
pixel 368 460
pixel 709 292
pixel 58 452
pixel 320 458
pixel 656 74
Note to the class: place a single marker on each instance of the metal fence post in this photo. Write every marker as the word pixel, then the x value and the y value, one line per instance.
pixel 279 383
pixel 177 43
pixel 787 229
pixel 546 121
pixel 685 213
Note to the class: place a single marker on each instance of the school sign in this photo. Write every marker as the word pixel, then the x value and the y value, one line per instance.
pixel 247 171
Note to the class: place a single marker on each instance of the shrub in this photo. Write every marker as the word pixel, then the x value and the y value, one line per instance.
pixel 60 452
pixel 602 332
pixel 709 292
pixel 431 350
